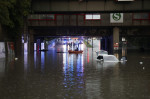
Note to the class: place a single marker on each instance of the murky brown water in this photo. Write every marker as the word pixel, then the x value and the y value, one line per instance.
pixel 51 75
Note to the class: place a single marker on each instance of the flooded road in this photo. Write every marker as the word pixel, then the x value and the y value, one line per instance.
pixel 52 75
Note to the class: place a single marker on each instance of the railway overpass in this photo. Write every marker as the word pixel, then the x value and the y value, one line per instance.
pixel 104 18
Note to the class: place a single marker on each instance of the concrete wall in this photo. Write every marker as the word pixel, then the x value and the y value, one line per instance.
pixel 90 5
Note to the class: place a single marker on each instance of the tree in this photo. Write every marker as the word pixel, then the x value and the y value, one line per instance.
pixel 13 14
pixel 4 12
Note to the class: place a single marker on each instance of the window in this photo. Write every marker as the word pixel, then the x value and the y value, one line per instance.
pixel 125 0
pixel 51 16
pixel 34 16
pixel 141 16
pixel 96 17
pixel 92 17
pixel 41 17
pixel 88 17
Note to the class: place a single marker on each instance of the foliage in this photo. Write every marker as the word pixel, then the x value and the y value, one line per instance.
pixel 4 12
pixel 87 44
pixel 13 14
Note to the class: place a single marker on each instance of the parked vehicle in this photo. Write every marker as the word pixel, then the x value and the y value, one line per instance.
pixel 102 55
pixel 107 58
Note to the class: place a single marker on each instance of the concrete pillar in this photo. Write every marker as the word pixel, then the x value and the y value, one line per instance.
pixel 116 36
pixel 45 44
pixel 106 43
pixel 92 43
pixel 18 46
pixel 38 42
pixel 31 41
pixel 100 44
pixel 1 35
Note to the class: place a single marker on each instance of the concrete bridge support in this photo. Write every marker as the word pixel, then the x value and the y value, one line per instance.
pixel 1 34
pixel 0 31
pixel 31 41
pixel 115 37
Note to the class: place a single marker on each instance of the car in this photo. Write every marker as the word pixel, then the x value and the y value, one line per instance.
pixel 107 58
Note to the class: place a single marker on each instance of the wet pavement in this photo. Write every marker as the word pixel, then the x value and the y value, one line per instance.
pixel 52 75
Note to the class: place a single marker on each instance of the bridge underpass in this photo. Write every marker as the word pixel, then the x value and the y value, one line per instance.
pixel 52 75
pixel 79 24
pixel 132 35
pixel 104 34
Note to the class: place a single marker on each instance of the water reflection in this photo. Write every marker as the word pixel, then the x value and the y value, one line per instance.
pixel 73 74
pixel 35 59
pixel 88 55
pixel 80 65
pixel 106 64
pixel 42 61
pixel 26 65
pixel 51 75
pixel 9 62
pixel 97 80
pixel 2 67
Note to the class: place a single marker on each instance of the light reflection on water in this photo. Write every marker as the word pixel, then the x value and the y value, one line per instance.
pixel 26 65
pixel 73 69
pixel 54 75
pixel 35 59
pixel 2 67
pixel 42 61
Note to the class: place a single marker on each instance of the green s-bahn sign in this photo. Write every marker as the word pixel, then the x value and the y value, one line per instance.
pixel 116 18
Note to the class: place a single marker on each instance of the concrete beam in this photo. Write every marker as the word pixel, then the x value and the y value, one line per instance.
pixel 79 20
pixel 92 5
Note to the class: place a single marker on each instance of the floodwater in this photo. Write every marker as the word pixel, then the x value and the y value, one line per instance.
pixel 52 75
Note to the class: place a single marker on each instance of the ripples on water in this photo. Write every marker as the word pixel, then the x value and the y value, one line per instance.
pixel 51 75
